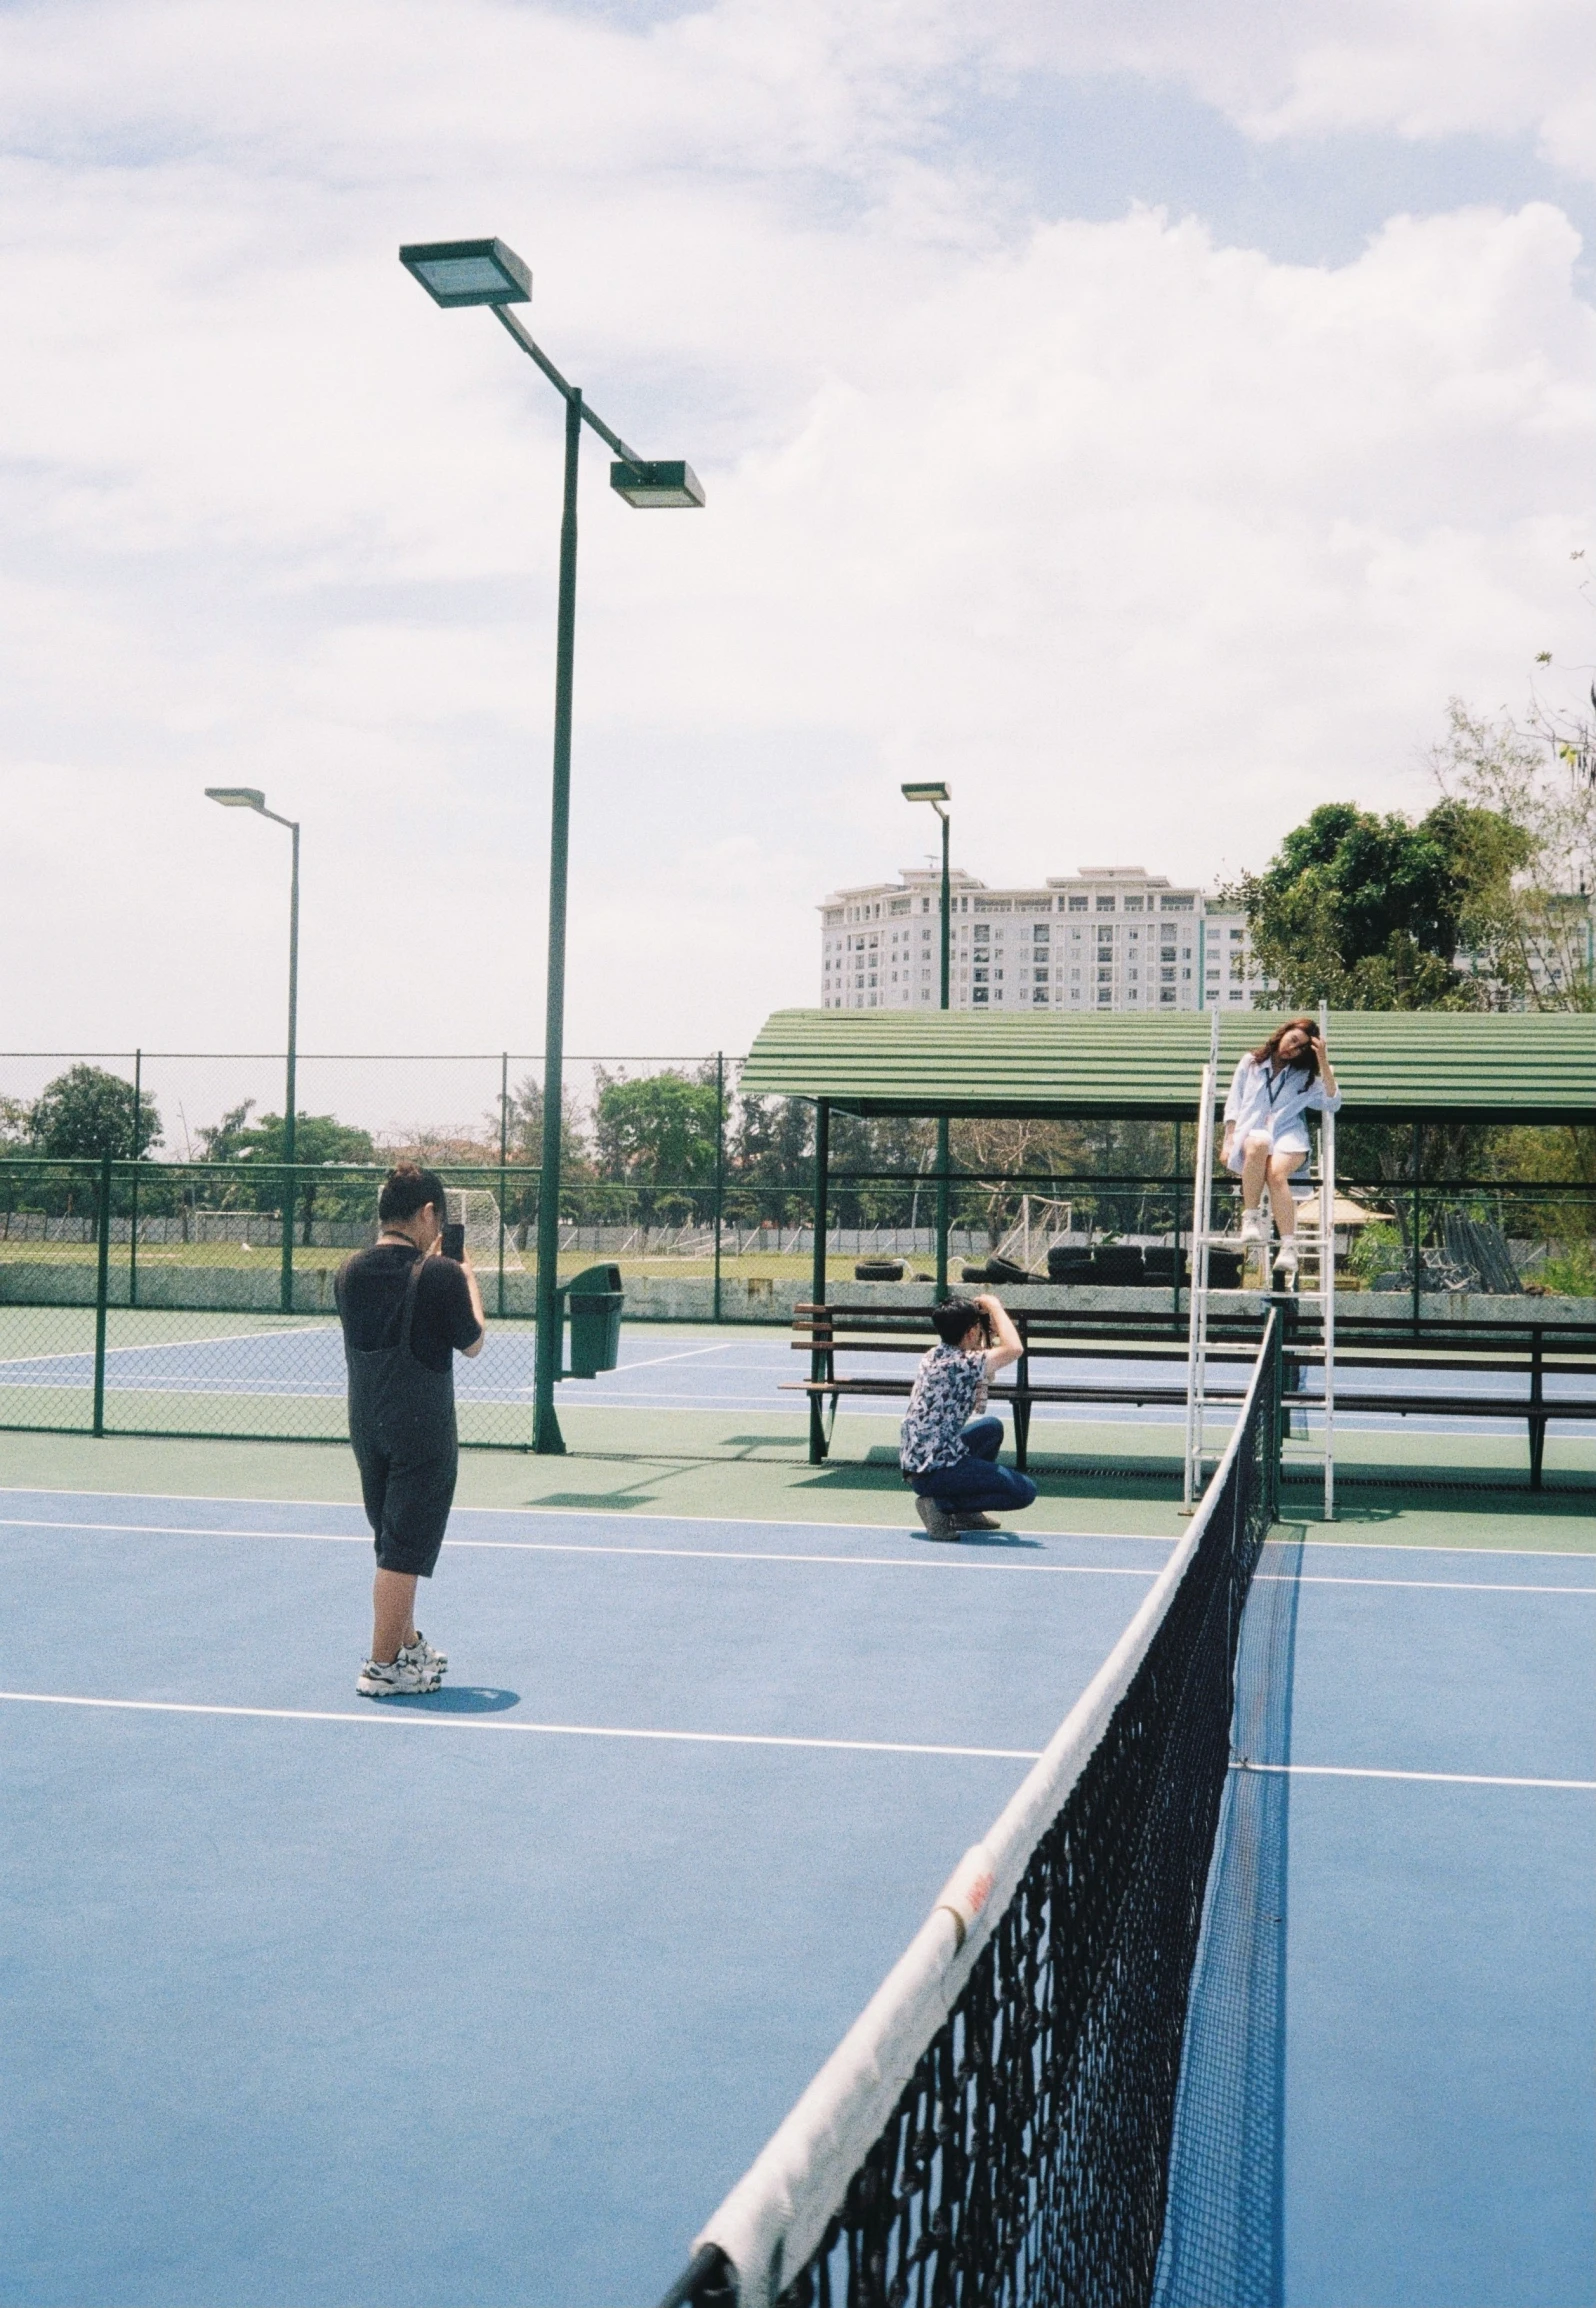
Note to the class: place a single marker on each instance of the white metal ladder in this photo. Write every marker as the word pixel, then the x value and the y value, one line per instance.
pixel 1315 1285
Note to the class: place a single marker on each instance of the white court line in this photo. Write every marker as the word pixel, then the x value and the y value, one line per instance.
pixel 583 1547
pixel 787 1522
pixel 1436 1778
pixel 377 1713
pixel 767 1555
pixel 1460 1586
pixel 722 1346
pixel 154 1345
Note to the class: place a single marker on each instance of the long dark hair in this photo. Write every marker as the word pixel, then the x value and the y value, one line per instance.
pixel 1307 1058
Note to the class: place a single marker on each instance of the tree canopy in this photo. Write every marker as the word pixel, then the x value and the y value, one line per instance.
pixel 87 1112
pixel 1370 913
pixel 656 1128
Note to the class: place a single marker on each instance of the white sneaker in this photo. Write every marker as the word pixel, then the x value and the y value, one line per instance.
pixel 422 1649
pixel 1286 1257
pixel 1252 1226
pixel 386 1678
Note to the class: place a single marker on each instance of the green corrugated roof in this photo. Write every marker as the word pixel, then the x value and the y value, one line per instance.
pixel 1391 1065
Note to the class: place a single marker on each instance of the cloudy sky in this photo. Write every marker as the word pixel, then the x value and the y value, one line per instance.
pixel 1143 413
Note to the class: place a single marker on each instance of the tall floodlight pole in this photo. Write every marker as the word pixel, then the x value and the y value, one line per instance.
pixel 938 796
pixel 250 797
pixel 486 272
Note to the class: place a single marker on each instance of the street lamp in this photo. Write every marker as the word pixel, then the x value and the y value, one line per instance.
pixel 936 793
pixel 485 272
pixel 251 797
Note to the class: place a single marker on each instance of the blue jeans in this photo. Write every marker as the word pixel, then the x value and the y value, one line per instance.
pixel 976 1481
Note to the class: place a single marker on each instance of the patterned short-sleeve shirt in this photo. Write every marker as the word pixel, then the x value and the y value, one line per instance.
pixel 947 1387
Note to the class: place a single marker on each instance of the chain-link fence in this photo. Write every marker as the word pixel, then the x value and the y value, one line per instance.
pixel 190 1290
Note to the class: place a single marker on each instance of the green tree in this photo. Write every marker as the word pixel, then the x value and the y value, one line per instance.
pixel 656 1129
pixel 87 1112
pixel 1369 912
pixel 321 1142
pixel 1529 933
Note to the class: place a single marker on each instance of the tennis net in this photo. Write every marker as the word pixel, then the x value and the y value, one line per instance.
pixel 995 2127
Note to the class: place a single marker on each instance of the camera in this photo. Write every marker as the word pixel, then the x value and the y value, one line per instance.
pixel 453 1243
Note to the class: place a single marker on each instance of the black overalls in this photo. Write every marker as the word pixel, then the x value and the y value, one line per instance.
pixel 402 1426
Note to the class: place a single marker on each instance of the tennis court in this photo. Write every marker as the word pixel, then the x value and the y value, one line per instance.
pixel 491 1996
pixel 246 1374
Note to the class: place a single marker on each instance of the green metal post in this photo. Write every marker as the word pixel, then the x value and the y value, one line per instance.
pixel 133 1202
pixel 720 1163
pixel 546 1435
pixel 504 1158
pixel 820 1361
pixel 1174 1298
pixel 1417 1269
pixel 291 1086
pixel 942 1120
pixel 102 1287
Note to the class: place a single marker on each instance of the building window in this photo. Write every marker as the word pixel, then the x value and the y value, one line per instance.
pixel 983 977
pixel 1077 905
pixel 1167 977
pixel 1040 994
pixel 1237 994
pixel 1105 977
pixel 980 994
pixel 1104 997
pixel 1105 905
pixel 1166 993
pixel 1075 977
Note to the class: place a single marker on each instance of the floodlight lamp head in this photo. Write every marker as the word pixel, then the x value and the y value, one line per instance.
pixel 468 272
pixel 935 792
pixel 236 796
pixel 645 484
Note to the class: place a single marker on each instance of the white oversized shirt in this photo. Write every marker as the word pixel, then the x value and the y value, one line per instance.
pixel 1271 1104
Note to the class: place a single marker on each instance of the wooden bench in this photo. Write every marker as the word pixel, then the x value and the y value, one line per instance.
pixel 1534 1351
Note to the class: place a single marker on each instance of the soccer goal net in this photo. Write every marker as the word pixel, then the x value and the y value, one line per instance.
pixel 474 1208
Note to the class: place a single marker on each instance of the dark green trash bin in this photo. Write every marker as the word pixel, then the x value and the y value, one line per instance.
pixel 593 1301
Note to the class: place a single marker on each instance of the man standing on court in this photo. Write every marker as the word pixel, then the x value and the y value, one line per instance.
pixel 406 1311
pixel 948 1451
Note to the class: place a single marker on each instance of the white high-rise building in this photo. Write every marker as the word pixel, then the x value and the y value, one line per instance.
pixel 1109 938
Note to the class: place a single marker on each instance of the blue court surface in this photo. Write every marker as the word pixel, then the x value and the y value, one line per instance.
pixel 739 1371
pixel 486 1998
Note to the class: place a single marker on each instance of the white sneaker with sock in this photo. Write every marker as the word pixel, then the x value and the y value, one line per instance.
pixel 1252 1229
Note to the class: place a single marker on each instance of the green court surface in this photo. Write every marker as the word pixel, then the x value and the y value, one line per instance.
pixel 682 1463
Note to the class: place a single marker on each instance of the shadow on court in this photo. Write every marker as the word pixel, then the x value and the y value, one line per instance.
pixel 457 1699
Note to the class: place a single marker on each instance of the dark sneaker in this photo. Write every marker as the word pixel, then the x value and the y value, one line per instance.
pixel 976 1523
pixel 939 1524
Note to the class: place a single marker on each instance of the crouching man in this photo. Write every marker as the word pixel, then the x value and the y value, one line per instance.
pixel 406 1311
pixel 948 1451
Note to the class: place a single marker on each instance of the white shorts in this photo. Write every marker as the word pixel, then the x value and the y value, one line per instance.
pixel 1293 1139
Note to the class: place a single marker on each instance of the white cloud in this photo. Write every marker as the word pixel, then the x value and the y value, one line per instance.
pixel 1147 542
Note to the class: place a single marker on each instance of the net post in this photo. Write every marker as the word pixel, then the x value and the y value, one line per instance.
pixel 1418 1134
pixel 102 1286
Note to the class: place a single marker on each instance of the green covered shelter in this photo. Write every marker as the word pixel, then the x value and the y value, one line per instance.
pixel 1393 1066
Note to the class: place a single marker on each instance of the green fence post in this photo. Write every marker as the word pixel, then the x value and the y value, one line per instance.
pixel 1417 1255
pixel 285 1297
pixel 1174 1286
pixel 102 1285
pixel 504 1157
pixel 720 1163
pixel 133 1197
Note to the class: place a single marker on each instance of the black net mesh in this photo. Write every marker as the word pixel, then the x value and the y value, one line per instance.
pixel 1026 2161
pixel 1222 2233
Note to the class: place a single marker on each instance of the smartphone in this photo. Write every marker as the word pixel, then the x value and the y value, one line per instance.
pixel 453 1244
